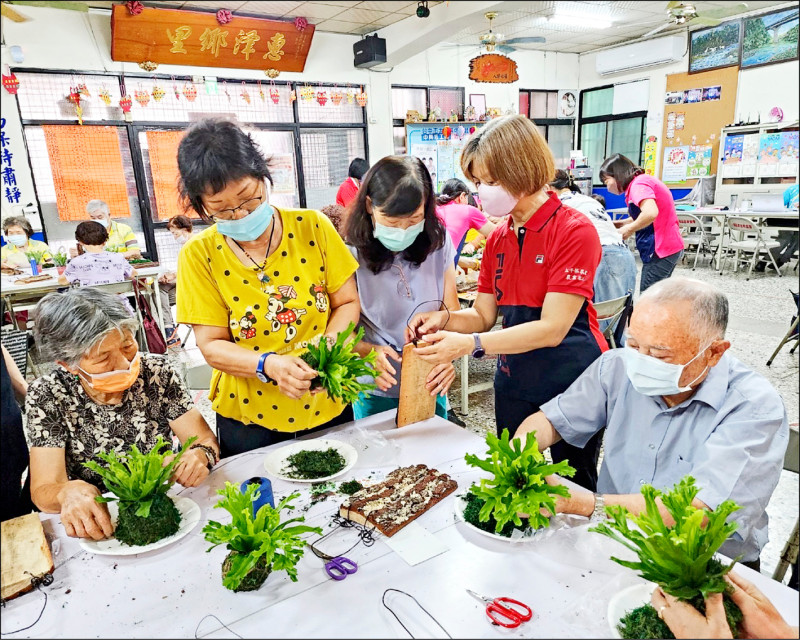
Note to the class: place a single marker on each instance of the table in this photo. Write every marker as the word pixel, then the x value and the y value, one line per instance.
pixel 31 293
pixel 566 577
pixel 792 219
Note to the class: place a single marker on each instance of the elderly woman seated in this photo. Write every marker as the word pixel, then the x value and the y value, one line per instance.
pixel 103 395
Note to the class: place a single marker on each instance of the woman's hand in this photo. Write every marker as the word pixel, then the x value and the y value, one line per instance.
pixel 440 378
pixel 760 617
pixel 168 277
pixel 81 515
pixel 192 469
pixel 626 231
pixel 292 374
pixel 444 346
pixel 383 366
pixel 425 323
pixel 687 622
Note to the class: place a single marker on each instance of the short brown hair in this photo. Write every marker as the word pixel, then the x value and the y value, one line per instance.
pixel 92 233
pixel 18 221
pixel 180 222
pixel 514 152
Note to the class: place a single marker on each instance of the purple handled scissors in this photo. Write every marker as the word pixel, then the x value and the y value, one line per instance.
pixel 340 567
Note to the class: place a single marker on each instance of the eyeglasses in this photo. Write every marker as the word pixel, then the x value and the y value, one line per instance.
pixel 248 206
pixel 403 287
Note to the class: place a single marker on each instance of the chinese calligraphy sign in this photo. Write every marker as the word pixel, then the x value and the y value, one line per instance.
pixel 493 68
pixel 10 188
pixel 173 36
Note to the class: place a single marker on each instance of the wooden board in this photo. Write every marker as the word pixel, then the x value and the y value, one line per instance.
pixel 416 402
pixel 703 120
pixel 25 553
pixel 175 36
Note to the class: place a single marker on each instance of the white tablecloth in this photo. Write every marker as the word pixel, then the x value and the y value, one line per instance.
pixel 565 577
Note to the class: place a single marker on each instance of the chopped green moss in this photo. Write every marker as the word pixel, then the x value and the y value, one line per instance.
pixel 472 515
pixel 254 578
pixel 307 465
pixel 350 487
pixel 164 520
pixel 644 622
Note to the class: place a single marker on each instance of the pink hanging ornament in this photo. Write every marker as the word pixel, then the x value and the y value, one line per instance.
pixel 300 23
pixel 189 91
pixel 362 99
pixel 125 103
pixel 472 129
pixel 134 7
pixel 175 89
pixel 275 95
pixel 142 97
pixel 224 16
pixel 322 98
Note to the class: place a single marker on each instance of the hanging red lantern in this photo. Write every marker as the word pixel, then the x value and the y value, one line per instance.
pixel 322 98
pixel 472 129
pixel 125 103
pixel 362 99
pixel 11 83
pixel 190 92
pixel 75 98
pixel 447 132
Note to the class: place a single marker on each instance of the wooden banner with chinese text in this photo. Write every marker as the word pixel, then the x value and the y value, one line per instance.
pixel 493 68
pixel 173 36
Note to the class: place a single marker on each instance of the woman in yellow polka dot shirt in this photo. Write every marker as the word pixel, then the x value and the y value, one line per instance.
pixel 257 286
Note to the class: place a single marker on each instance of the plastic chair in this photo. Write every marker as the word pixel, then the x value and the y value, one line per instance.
pixel 611 310
pixel 790 549
pixel 792 334
pixel 747 237
pixel 694 234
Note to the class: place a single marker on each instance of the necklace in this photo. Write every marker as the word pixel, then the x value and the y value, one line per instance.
pixel 263 278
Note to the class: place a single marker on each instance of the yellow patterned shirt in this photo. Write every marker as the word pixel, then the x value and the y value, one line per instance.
pixel 280 315
pixel 16 255
pixel 121 238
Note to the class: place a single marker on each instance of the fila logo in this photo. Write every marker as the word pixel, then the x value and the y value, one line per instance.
pixel 540 259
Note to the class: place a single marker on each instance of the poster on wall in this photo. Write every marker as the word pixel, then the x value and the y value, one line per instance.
pixel 732 157
pixel 680 120
pixel 769 153
pixel 749 155
pixel 650 151
pixel 712 93
pixel 770 37
pixel 715 47
pixel 699 161
pixel 440 154
pixel 676 159
pixel 567 103
pixel 445 159
pixel 787 165
pixel 691 96
pixel 281 167
pixel 673 97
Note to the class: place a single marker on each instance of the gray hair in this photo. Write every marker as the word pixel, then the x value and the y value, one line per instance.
pixel 68 325
pixel 709 305
pixel 18 221
pixel 97 205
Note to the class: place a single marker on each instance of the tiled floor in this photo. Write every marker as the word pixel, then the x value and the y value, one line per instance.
pixel 761 309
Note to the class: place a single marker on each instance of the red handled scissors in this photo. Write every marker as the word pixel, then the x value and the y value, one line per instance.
pixel 501 612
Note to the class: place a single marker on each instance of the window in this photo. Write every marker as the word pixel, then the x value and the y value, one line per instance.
pixel 603 133
pixel 320 132
pixel 422 99
pixel 542 108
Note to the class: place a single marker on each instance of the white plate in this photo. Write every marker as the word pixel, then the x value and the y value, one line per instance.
pixel 461 504
pixel 275 462
pixel 626 600
pixel 190 516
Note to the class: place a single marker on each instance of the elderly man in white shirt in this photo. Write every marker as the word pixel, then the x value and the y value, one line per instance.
pixel 674 403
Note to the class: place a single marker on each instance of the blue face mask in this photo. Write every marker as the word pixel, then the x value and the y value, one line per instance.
pixel 395 239
pixel 250 227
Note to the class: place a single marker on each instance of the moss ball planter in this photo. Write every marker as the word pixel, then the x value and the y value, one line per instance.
pixel 164 520
pixel 254 578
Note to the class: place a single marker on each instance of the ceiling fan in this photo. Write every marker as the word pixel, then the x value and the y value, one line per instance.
pixel 492 41
pixel 685 13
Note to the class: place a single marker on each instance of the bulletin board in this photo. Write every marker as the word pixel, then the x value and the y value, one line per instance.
pixel 439 145
pixel 692 133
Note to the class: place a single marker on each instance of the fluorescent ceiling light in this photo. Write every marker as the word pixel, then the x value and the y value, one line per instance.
pixel 591 22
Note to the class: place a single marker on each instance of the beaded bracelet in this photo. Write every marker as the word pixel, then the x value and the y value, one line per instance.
pixel 210 453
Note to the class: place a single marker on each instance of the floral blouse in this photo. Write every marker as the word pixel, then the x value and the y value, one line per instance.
pixel 60 414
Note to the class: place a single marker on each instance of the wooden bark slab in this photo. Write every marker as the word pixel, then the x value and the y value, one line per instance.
pixel 416 402
pixel 25 553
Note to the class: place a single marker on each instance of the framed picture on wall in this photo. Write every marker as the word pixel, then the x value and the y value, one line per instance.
pixel 715 47
pixel 478 100
pixel 770 38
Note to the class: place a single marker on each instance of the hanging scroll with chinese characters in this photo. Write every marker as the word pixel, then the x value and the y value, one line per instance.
pixel 173 36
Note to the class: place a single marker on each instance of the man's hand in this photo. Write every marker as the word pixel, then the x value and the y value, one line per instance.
pixel 687 622
pixel 81 515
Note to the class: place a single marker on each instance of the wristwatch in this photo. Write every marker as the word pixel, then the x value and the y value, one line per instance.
pixel 260 374
pixel 599 512
pixel 478 351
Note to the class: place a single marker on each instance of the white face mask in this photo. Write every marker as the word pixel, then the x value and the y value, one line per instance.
pixel 182 239
pixel 653 377
pixel 496 201
pixel 102 221
pixel 17 239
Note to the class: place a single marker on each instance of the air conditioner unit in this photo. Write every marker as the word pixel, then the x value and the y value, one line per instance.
pixel 646 53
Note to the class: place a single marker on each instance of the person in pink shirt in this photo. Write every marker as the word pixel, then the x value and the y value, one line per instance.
pixel 652 217
pixel 459 217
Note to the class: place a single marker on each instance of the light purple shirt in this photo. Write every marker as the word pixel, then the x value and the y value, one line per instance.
pixel 98 268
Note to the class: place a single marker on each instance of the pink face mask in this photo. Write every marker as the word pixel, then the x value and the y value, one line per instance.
pixel 496 201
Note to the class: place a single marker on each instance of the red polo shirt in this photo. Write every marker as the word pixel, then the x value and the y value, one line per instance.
pixel 347 192
pixel 557 250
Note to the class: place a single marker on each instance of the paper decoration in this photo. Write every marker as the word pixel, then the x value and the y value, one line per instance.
pixel 158 93
pixel 176 90
pixel 12 193
pixel 75 98
pixel 769 154
pixel 306 93
pixel 712 93
pixel 650 150
pixel 680 120
pixel 105 96
pixel 300 23
pixel 699 161
pixel 787 165
pixel 189 91
pixel 447 132
pixel 749 155
pixel 261 93
pixel 460 131
pixel 336 97
pixel 361 97
pixel 673 168
pixel 125 103
pixel 142 97
pixel 351 96
pixel 292 96
pixel 10 83
pixel 322 98
pixel 275 95
pixel 732 156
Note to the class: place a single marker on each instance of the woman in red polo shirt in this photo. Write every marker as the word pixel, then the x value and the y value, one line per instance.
pixel 348 190
pixel 538 268
pixel 653 217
